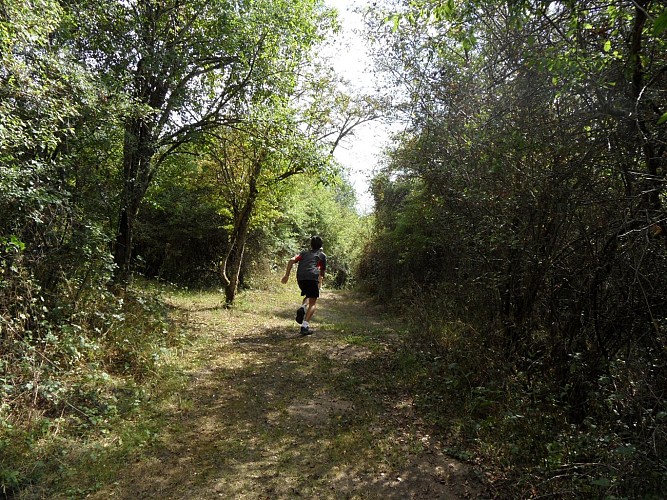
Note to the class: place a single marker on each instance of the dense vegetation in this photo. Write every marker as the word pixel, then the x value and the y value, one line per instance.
pixel 524 208
pixel 189 141
pixel 520 218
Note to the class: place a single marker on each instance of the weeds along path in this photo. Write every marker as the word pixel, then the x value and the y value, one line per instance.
pixel 267 413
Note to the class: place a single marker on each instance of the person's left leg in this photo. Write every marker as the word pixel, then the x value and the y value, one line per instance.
pixel 301 311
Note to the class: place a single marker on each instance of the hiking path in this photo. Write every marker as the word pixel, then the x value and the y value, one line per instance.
pixel 266 413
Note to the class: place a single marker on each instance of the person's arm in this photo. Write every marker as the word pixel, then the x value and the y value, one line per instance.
pixel 290 263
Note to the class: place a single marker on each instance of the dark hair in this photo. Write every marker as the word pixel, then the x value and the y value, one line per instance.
pixel 316 242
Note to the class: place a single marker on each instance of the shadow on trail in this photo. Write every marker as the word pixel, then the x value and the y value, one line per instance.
pixel 279 415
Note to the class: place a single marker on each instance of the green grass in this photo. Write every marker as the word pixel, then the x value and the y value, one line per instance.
pixel 244 407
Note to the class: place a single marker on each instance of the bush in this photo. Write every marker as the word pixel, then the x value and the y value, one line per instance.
pixel 77 376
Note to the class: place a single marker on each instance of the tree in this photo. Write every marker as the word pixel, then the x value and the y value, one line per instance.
pixel 187 67
pixel 532 182
pixel 48 104
pixel 516 135
pixel 296 133
pixel 251 162
pixel 248 162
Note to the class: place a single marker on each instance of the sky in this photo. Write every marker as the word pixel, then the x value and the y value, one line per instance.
pixel 361 153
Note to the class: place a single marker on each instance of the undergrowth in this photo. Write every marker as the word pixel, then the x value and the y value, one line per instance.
pixel 73 377
pixel 81 396
pixel 510 414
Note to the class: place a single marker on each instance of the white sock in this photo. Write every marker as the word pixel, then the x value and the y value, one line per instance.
pixel 304 324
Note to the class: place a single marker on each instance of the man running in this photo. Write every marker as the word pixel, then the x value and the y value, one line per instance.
pixel 309 276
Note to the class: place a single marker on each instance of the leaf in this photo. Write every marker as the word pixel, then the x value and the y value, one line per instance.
pixel 662 119
pixel 396 21
pixel 607 46
pixel 444 11
pixel 626 451
pixel 660 24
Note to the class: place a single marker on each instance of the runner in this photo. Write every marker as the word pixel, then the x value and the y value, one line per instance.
pixel 309 275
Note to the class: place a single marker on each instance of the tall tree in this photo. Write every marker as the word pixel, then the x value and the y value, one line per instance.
pixel 47 100
pixel 533 176
pixel 187 67
pixel 294 133
pixel 279 143
pixel 522 115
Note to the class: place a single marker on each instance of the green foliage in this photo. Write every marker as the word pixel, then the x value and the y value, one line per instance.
pixel 186 69
pixel 660 24
pixel 68 346
pixel 313 208
pixel 526 199
pixel 190 213
pixel 82 84
pixel 183 226
pixel 79 377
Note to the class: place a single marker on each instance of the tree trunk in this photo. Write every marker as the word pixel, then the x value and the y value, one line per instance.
pixel 137 155
pixel 123 247
pixel 231 266
pixel 234 269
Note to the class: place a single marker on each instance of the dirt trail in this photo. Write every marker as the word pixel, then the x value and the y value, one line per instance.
pixel 270 414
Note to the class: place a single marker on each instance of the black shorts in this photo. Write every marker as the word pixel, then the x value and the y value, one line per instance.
pixel 309 288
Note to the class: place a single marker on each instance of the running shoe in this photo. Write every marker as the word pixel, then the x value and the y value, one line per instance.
pixel 300 313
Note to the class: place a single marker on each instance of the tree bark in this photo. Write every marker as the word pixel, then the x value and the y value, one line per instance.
pixel 231 266
pixel 137 173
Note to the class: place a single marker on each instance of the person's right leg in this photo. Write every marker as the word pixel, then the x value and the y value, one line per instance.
pixel 312 305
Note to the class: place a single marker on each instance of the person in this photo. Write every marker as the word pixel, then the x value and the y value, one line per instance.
pixel 312 265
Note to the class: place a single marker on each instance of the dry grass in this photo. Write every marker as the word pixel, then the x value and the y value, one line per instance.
pixel 261 412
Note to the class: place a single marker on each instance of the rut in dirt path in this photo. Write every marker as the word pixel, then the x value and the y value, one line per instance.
pixel 271 414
